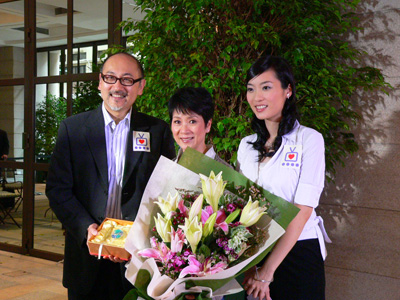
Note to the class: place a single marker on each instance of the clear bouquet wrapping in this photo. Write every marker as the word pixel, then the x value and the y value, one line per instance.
pixel 200 224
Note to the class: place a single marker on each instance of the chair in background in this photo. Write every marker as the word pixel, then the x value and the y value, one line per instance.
pixel 7 204
pixel 17 188
pixel 10 184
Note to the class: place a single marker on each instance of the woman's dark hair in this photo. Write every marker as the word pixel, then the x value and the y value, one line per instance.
pixel 191 99
pixel 289 112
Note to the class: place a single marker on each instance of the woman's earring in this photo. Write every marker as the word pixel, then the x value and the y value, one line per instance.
pixel 288 96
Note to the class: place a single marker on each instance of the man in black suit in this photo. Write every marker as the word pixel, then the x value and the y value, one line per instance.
pixel 4 145
pixel 4 150
pixel 100 167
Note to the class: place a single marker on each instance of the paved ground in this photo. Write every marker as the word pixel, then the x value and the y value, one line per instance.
pixel 30 278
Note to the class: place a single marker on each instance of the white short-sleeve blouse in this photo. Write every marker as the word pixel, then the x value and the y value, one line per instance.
pixel 296 173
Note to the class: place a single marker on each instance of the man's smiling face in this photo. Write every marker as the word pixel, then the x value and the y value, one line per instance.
pixel 118 98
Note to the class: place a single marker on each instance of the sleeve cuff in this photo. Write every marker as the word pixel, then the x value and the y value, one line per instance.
pixel 308 195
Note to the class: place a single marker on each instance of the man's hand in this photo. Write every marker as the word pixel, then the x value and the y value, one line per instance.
pixel 115 259
pixel 92 231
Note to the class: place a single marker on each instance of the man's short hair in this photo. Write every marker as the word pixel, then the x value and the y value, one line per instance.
pixel 130 55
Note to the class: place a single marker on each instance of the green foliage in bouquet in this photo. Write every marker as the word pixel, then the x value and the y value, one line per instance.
pixel 141 284
pixel 212 43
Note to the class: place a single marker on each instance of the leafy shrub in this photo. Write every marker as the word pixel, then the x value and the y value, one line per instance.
pixel 212 43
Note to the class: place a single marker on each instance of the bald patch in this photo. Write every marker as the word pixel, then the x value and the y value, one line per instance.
pixel 128 55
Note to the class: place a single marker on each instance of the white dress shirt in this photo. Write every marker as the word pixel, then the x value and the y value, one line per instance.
pixel 295 173
pixel 116 136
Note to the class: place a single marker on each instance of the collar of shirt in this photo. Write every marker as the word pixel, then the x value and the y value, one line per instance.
pixel 292 135
pixel 210 152
pixel 108 120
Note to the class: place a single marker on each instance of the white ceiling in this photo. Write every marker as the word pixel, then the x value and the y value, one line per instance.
pixel 90 21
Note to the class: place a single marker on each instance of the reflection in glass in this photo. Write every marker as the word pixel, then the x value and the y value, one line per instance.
pixel 48 231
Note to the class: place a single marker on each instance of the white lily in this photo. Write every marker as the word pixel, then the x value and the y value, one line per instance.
pixel 213 188
pixel 251 213
pixel 193 230
pixel 168 205
pixel 163 227
pixel 209 225
pixel 197 205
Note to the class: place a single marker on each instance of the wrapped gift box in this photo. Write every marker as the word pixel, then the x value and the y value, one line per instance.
pixel 111 239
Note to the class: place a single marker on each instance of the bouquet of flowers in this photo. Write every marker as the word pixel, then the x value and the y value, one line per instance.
pixel 196 233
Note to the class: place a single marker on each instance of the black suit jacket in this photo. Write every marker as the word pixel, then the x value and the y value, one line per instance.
pixel 77 183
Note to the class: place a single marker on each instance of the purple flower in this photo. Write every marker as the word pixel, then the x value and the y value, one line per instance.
pixel 230 207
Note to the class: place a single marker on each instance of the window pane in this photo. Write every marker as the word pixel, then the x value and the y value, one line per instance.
pixel 12 119
pixel 90 21
pixel 12 39
pixel 42 64
pixel 51 109
pixel 51 31
pixel 48 231
pixel 55 67
pixel 11 207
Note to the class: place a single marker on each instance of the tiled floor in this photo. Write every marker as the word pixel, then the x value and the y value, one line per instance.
pixel 29 278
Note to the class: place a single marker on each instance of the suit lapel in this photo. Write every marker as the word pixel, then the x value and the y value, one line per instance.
pixel 133 157
pixel 96 139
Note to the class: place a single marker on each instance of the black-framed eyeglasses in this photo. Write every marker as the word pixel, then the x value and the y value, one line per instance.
pixel 126 81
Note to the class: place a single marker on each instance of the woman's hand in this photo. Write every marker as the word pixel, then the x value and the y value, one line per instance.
pixel 255 287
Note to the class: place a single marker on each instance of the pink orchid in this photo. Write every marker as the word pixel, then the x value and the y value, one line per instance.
pixel 220 221
pixel 183 209
pixel 159 251
pixel 202 269
pixel 177 240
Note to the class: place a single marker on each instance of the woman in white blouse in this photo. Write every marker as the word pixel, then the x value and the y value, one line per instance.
pixel 288 160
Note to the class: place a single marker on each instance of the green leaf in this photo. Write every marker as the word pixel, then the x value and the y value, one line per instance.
pixel 232 217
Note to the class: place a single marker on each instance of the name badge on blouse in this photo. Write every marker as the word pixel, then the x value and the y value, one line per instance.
pixel 292 156
pixel 141 141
